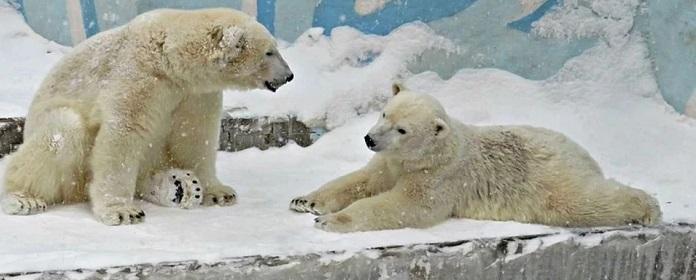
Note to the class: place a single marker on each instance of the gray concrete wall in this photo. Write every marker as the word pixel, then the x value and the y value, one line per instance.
pixel 10 135
pixel 242 133
pixel 666 252
pixel 236 133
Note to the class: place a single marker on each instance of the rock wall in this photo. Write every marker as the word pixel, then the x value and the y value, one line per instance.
pixel 666 252
pixel 236 133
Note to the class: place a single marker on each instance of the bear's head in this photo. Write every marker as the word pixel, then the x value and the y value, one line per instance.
pixel 411 126
pixel 215 49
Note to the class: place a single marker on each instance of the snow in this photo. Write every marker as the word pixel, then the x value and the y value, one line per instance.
pixel 606 99
pixel 25 58
pixel 339 77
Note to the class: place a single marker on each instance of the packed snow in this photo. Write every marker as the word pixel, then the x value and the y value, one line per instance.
pixel 606 99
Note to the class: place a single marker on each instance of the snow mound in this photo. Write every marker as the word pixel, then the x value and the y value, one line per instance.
pixel 341 76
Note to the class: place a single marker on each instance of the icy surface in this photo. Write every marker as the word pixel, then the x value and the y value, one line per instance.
pixel 605 99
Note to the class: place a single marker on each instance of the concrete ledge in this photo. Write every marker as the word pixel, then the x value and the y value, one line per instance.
pixel 264 132
pixel 665 252
pixel 10 134
pixel 236 133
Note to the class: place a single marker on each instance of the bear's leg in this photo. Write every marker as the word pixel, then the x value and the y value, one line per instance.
pixel 334 195
pixel 394 209
pixel 613 204
pixel 119 149
pixel 595 201
pixel 49 167
pixel 341 192
pixel 194 143
pixel 174 188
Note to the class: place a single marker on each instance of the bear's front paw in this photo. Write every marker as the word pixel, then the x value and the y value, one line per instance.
pixel 314 205
pixel 120 214
pixel 175 188
pixel 339 222
pixel 20 204
pixel 219 195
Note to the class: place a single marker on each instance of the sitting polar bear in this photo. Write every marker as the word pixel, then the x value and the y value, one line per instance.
pixel 429 167
pixel 134 102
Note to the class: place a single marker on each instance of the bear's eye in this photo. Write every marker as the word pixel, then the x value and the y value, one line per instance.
pixel 401 130
pixel 269 53
pixel 384 115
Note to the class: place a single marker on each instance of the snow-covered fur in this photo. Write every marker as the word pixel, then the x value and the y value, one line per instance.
pixel 429 168
pixel 134 101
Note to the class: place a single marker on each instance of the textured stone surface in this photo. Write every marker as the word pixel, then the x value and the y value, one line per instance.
pixel 242 133
pixel 236 134
pixel 666 252
pixel 10 134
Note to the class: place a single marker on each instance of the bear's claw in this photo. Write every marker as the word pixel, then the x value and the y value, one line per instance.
pixel 120 215
pixel 223 196
pixel 19 204
pixel 303 205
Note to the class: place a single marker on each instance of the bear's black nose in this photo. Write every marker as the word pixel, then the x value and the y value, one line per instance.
pixel 369 142
pixel 289 78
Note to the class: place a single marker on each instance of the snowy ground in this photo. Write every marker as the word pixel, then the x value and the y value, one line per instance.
pixel 605 99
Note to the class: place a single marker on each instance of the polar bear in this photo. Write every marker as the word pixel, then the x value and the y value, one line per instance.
pixel 136 101
pixel 429 167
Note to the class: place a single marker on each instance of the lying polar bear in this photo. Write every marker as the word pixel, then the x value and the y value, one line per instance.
pixel 429 167
pixel 136 101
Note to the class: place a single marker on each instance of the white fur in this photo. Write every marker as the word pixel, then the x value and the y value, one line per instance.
pixel 437 168
pixel 134 101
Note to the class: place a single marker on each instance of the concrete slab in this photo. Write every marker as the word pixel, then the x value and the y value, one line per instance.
pixel 664 252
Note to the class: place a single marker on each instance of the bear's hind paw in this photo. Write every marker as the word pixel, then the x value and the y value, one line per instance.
pixel 175 188
pixel 338 222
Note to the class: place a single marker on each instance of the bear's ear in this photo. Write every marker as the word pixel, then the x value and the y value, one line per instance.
pixel 441 128
pixel 215 34
pixel 228 37
pixel 396 88
pixel 234 37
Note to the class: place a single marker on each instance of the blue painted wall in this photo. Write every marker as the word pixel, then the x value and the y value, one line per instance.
pixel 333 13
pixel 266 12
pixel 671 28
pixel 48 18
pixel 89 17
pixel 495 33
pixel 146 5
pixel 492 41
